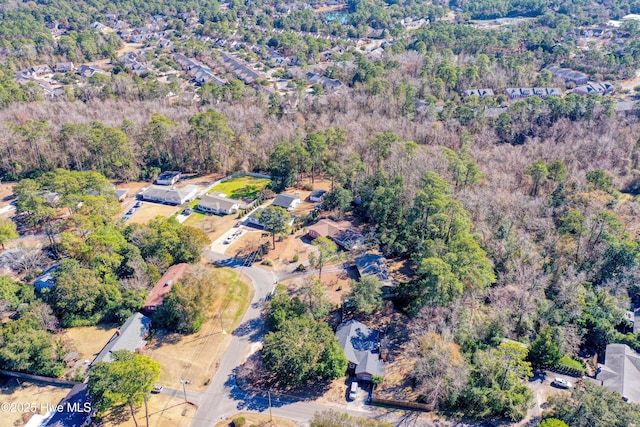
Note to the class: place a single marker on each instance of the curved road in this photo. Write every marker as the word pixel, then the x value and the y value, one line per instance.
pixel 223 398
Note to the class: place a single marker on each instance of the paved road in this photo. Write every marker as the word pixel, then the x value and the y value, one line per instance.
pixel 223 398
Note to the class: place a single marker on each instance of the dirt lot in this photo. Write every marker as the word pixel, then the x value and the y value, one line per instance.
pixel 214 225
pixel 26 392
pixel 6 193
pixel 337 284
pixel 150 211
pixel 196 357
pixel 164 411
pixel 258 420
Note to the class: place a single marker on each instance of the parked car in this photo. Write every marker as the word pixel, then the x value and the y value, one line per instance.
pixel 353 390
pixel 157 388
pixel 187 212
pixel 138 205
pixel 562 383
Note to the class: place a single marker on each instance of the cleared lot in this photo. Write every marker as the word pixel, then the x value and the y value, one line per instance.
pixel 195 357
pixel 243 187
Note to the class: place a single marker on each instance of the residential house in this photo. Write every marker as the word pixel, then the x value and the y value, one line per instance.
pixel 621 371
pixel 63 67
pixel 163 287
pixel 361 346
pixel 239 69
pixel 46 280
pixel 99 27
pixel 340 232
pixel 526 92
pixel 74 410
pixel 40 70
pixel 286 201
pixel 569 75
pixel 122 194
pixel 329 85
pixel 317 196
pixel 87 71
pixel 254 218
pixel 217 203
pixel 598 88
pixel 168 178
pixel 480 93
pixel 169 195
pixel 131 336
pixel 371 264
pixel 543 92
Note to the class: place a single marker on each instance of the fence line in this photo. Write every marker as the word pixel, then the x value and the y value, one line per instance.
pixel 38 378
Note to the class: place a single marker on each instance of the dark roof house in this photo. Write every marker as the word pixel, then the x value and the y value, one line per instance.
pixel 163 287
pixel 621 371
pixel 75 409
pixel 168 178
pixel 317 195
pixel 286 201
pixel 47 279
pixel 361 346
pixel 374 265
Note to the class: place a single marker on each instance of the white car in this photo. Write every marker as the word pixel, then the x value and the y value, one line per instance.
pixel 562 383
pixel 353 390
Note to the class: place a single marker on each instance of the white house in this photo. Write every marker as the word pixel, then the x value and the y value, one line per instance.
pixel 218 204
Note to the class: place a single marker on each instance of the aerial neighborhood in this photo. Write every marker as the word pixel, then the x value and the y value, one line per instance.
pixel 320 214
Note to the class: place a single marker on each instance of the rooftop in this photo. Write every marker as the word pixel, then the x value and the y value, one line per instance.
pixel 131 336
pixel 621 371
pixel 218 203
pixel 285 200
pixel 164 285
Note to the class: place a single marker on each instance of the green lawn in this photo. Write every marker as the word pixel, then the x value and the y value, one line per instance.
pixel 243 187
pixel 194 219
pixel 236 299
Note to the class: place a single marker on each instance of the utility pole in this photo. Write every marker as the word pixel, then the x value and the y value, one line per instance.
pixel 270 414
pixel 184 390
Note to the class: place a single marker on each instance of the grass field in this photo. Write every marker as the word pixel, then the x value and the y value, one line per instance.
pixel 195 357
pixel 243 187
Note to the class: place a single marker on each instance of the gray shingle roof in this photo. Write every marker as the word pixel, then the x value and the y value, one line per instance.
pixel 131 336
pixel 285 200
pixel 217 203
pixel 621 371
pixel 359 343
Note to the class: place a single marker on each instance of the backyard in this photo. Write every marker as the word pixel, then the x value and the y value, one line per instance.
pixel 244 187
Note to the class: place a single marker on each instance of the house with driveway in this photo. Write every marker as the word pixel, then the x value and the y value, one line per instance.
pixel 169 195
pixel 218 203
pixel 361 346
pixel 340 232
pixel 287 201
